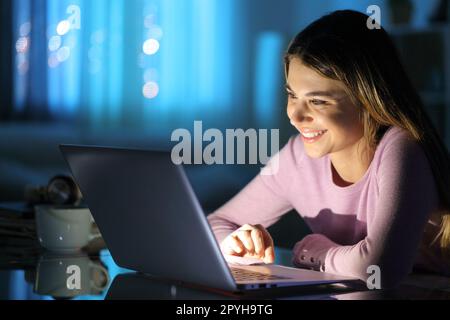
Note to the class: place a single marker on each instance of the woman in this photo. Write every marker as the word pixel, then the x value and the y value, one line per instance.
pixel 368 171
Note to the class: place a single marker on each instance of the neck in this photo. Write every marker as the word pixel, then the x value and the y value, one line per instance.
pixel 350 165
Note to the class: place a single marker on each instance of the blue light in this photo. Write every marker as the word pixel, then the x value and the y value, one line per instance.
pixel 116 60
pixel 54 92
pixel 18 286
pixel 204 28
pixel 151 47
pixel 196 58
pixel 64 72
pixel 269 71
pixel 228 31
pixel 97 74
pixel 22 9
pixel 71 69
pixel 96 90
pixel 174 54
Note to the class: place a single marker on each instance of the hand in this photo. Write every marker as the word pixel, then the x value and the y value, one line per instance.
pixel 250 241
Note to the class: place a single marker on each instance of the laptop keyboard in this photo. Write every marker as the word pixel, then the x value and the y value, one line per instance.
pixel 247 275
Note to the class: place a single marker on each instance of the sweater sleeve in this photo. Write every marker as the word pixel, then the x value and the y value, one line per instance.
pixel 406 196
pixel 263 201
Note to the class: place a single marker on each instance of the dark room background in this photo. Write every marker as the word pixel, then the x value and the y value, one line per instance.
pixel 129 72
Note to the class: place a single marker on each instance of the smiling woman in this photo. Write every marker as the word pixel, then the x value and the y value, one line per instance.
pixel 328 121
pixel 368 172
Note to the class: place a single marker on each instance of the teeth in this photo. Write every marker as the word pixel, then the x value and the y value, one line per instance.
pixel 312 135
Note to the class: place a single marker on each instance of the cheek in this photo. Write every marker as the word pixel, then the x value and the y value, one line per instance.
pixel 345 116
pixel 347 126
pixel 290 112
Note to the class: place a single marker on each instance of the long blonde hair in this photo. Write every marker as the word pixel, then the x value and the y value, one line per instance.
pixel 340 46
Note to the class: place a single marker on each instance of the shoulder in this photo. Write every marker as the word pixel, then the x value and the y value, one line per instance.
pixel 399 151
pixel 397 142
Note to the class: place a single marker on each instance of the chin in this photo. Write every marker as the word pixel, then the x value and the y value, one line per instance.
pixel 315 154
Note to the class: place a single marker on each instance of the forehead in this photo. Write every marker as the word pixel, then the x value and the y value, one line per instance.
pixel 301 78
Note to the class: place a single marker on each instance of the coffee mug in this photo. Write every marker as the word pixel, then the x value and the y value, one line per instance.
pixel 64 229
pixel 69 276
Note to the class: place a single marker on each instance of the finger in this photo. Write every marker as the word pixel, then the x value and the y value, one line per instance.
pixel 226 249
pixel 257 237
pixel 246 239
pixel 236 245
pixel 247 227
pixel 269 252
pixel 268 241
pixel 265 237
pixel 269 256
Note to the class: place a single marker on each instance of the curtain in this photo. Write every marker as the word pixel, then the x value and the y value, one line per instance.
pixel 147 64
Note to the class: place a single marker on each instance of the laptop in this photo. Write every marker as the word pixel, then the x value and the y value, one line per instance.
pixel 152 222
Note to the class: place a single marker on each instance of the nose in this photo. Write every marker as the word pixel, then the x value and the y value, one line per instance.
pixel 299 114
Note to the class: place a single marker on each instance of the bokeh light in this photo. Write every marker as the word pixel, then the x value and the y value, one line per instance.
pixel 98 37
pixel 63 54
pixel 23 67
pixel 22 63
pixel 22 44
pixel 54 43
pixel 95 53
pixel 53 61
pixel 25 29
pixel 149 21
pixel 63 27
pixel 150 10
pixel 150 90
pixel 155 32
pixel 150 47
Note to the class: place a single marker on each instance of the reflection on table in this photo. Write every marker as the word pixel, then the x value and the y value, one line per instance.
pixel 55 276
pixel 93 275
pixel 27 271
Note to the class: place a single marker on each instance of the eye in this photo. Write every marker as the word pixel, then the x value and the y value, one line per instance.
pixel 291 95
pixel 318 102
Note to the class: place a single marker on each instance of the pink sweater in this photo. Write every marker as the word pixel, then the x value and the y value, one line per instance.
pixel 378 220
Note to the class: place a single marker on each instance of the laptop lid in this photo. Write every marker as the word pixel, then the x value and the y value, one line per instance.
pixel 148 214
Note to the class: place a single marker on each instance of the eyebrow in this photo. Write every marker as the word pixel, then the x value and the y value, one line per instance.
pixel 330 94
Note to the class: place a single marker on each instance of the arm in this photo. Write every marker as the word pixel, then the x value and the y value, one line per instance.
pixel 263 201
pixel 407 195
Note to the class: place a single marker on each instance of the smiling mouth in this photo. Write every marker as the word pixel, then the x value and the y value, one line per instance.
pixel 312 136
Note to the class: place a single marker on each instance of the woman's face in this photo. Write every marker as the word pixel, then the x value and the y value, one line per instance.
pixel 320 109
